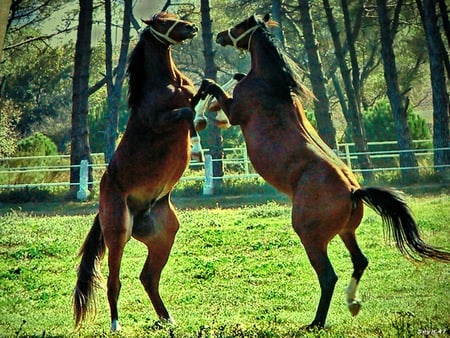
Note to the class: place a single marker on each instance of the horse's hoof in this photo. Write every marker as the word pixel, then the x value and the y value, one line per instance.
pixel 163 323
pixel 115 326
pixel 200 124
pixel 354 307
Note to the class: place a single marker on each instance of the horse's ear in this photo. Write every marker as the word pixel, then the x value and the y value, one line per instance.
pixel 266 17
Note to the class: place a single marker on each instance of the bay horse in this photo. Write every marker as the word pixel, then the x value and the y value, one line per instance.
pixel 286 151
pixel 150 158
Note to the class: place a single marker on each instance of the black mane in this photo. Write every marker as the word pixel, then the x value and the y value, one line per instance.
pixel 290 70
pixel 135 73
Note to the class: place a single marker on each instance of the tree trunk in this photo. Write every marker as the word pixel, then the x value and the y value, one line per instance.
pixel 445 20
pixel 322 104
pixel 114 84
pixel 111 127
pixel 80 148
pixel 343 103
pixel 404 139
pixel 357 127
pixel 213 133
pixel 276 15
pixel 352 51
pixel 4 13
pixel 441 108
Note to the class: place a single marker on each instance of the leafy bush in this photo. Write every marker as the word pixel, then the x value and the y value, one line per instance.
pixel 36 145
pixel 9 116
pixel 379 123
pixel 25 195
pixel 380 126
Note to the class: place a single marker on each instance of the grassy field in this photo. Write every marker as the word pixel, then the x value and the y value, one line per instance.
pixel 235 271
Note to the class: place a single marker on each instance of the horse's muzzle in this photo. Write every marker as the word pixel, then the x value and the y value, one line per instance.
pixel 221 38
pixel 194 29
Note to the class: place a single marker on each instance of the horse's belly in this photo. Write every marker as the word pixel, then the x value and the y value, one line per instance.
pixel 148 174
pixel 275 164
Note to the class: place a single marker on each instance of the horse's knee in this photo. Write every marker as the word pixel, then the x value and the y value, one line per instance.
pixel 328 278
pixel 360 263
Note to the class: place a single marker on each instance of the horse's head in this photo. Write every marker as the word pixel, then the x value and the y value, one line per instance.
pixel 169 29
pixel 240 36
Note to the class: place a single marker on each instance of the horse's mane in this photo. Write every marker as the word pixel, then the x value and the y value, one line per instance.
pixel 290 70
pixel 135 74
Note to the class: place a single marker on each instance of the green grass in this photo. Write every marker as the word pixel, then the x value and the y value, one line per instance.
pixel 235 271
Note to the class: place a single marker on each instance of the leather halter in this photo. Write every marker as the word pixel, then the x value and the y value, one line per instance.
pixel 165 38
pixel 235 41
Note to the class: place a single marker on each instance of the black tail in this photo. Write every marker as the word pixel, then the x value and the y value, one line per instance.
pixel 400 223
pixel 89 274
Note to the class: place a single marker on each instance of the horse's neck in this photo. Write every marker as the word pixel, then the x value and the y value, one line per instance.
pixel 159 66
pixel 263 60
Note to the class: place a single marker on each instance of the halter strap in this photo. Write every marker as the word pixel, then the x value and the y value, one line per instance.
pixel 235 41
pixel 164 38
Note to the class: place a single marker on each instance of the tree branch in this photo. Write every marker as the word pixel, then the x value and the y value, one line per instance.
pixel 38 38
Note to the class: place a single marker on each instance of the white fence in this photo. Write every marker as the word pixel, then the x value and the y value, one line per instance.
pixel 48 171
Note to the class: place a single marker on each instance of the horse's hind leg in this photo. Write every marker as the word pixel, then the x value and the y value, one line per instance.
pixel 157 230
pixel 359 261
pixel 315 238
pixel 116 228
pixel 318 257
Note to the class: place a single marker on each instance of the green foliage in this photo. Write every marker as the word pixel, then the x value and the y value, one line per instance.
pixel 32 195
pixel 233 272
pixel 379 123
pixel 36 145
pixel 9 116
pixel 98 114
pixel 40 84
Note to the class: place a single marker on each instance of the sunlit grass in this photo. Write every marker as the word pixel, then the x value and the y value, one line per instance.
pixel 233 272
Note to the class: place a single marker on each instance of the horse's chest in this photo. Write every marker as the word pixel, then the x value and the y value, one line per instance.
pixel 181 94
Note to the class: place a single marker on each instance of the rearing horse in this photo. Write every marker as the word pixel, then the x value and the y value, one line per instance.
pixel 150 158
pixel 287 152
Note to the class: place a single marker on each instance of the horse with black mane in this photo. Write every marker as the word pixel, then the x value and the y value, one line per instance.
pixel 150 158
pixel 287 152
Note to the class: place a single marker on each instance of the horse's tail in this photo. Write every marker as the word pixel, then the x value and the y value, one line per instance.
pixel 400 223
pixel 89 274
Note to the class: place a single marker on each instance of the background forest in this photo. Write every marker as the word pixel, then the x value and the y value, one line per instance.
pixel 378 68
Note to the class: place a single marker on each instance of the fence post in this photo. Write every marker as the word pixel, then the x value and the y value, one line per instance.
pixel 348 156
pixel 208 186
pixel 245 157
pixel 83 191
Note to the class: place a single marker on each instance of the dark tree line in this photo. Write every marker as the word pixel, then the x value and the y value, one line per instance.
pixel 341 78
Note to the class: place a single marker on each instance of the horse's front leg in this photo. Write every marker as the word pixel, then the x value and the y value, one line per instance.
pixel 199 113
pixel 224 99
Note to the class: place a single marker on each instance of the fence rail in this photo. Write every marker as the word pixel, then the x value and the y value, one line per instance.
pixel 54 171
